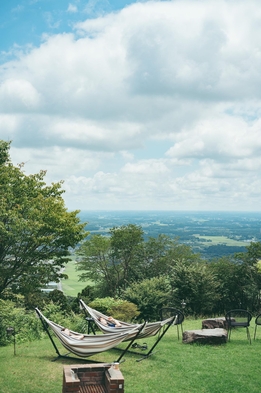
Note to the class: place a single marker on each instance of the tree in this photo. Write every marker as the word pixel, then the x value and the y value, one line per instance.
pixel 229 278
pixel 94 259
pixel 163 252
pixel 196 284
pixel 111 262
pixel 36 229
pixel 150 295
pixel 251 277
pixel 126 245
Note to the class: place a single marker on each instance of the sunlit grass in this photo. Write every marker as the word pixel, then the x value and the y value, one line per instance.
pixel 215 240
pixel 174 367
pixel 72 286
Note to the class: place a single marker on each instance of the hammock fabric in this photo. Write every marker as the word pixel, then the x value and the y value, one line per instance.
pixel 150 329
pixel 89 345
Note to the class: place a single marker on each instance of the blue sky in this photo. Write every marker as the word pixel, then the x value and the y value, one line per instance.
pixel 23 22
pixel 136 105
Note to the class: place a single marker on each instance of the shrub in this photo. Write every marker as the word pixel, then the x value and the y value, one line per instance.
pixel 65 318
pixel 118 308
pixel 25 323
pixel 59 298
pixel 149 296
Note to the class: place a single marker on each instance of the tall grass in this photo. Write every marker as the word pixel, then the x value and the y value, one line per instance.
pixel 174 367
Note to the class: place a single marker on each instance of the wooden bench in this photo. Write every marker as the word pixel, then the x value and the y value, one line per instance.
pixel 205 336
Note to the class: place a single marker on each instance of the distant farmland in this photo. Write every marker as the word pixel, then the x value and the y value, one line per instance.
pixel 214 240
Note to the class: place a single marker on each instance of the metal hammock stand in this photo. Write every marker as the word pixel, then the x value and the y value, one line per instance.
pixel 83 353
pixel 147 330
pixel 163 331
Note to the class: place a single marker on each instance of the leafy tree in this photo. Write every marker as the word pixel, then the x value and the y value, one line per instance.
pixel 197 285
pixel 58 297
pixel 163 252
pixel 36 230
pixel 239 280
pixel 149 295
pixel 155 256
pixel 252 255
pixel 228 277
pixel 250 276
pixel 126 246
pixel 95 261
pixel 111 262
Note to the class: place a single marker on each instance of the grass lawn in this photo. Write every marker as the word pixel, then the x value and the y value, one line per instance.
pixel 175 367
pixel 72 286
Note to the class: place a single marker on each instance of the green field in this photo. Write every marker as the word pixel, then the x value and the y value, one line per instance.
pixel 174 366
pixel 214 240
pixel 72 286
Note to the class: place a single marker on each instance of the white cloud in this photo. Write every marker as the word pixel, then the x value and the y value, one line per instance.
pixel 146 167
pixel 220 138
pixel 72 8
pixel 18 95
pixel 109 93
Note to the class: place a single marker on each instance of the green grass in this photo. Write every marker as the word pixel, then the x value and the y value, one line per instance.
pixel 215 240
pixel 175 367
pixel 72 286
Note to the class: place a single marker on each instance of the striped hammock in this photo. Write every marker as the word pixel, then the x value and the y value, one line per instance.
pixel 90 344
pixel 150 329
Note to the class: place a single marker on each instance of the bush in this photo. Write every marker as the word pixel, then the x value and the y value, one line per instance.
pixel 25 323
pixel 59 298
pixel 149 296
pixel 118 308
pixel 55 313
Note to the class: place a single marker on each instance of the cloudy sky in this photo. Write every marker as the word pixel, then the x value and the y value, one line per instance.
pixel 151 105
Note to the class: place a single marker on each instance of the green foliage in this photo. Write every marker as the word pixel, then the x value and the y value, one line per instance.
pixel 95 261
pixel 155 256
pixel 161 253
pixel 65 318
pixel 197 285
pixel 59 298
pixel 34 299
pixel 36 230
pixel 25 323
pixel 112 261
pixel 149 295
pixel 252 256
pixel 115 262
pixel 102 304
pixel 118 308
pixel 4 152
pixel 87 293
pixel 239 280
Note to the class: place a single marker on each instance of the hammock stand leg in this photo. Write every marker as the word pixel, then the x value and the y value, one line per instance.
pixel 45 326
pixel 130 343
pixel 150 353
pixel 90 325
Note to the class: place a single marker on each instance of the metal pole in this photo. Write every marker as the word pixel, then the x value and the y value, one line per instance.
pixel 11 331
